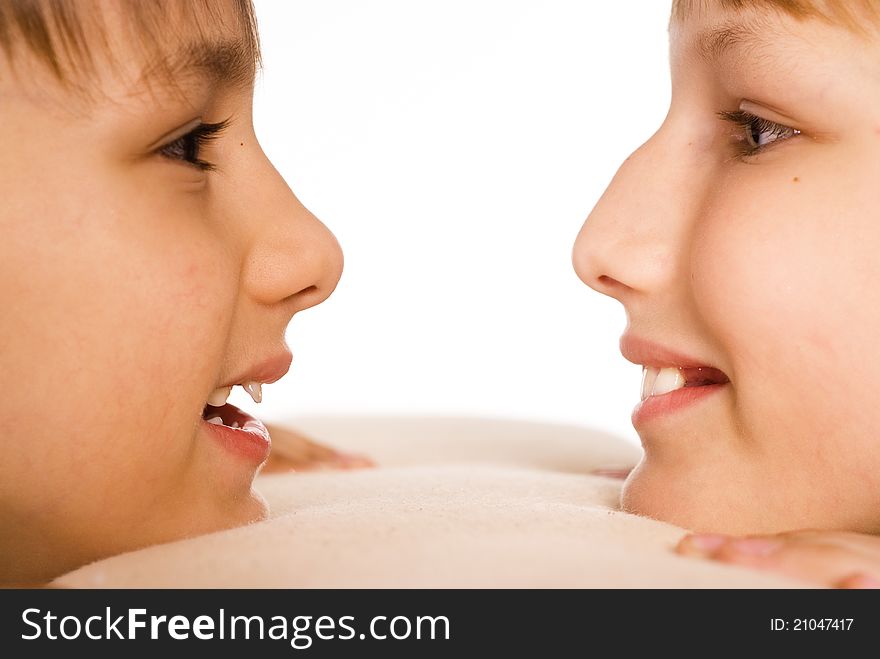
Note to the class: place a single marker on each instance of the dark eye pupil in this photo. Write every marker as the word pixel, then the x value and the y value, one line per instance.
pixel 191 145
pixel 179 149
pixel 756 134
pixel 187 148
pixel 184 148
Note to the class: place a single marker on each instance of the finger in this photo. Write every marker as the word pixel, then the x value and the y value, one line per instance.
pixel 822 560
pixel 857 542
pixel 620 474
pixel 294 451
pixel 354 461
pixel 869 545
pixel 276 464
pixel 700 545
pixel 314 457
pixel 859 581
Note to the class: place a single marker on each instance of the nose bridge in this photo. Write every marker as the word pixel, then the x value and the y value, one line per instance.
pixel 635 236
pixel 292 253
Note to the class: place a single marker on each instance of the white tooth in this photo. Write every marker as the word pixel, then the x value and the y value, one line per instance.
pixel 668 379
pixel 255 389
pixel 234 424
pixel 218 396
pixel 649 375
pixel 217 421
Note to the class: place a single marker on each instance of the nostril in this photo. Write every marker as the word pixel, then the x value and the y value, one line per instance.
pixel 611 287
pixel 610 284
pixel 310 296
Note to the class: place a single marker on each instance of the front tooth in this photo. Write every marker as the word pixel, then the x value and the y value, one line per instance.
pixel 255 389
pixel 219 396
pixel 649 376
pixel 668 379
pixel 217 421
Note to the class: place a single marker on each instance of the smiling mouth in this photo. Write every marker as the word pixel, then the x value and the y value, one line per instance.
pixel 225 415
pixel 238 432
pixel 661 381
pixel 218 412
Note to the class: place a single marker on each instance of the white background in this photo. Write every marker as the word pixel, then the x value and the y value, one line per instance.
pixel 455 147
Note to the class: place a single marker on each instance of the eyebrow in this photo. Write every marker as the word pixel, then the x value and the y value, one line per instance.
pixel 717 42
pixel 228 62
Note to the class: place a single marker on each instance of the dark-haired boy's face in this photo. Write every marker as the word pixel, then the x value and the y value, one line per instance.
pixel 745 243
pixel 135 281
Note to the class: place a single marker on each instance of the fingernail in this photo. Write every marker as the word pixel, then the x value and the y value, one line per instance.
pixel 755 546
pixel 707 541
pixel 352 461
pixel 703 542
pixel 620 474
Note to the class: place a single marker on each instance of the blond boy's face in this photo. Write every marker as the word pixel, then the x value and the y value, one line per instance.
pixel 134 283
pixel 752 249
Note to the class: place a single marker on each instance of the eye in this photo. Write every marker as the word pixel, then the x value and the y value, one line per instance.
pixel 757 133
pixel 187 148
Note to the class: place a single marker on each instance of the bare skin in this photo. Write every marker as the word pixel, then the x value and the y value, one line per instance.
pixel 294 451
pixel 742 237
pixel 147 266
pixel 825 558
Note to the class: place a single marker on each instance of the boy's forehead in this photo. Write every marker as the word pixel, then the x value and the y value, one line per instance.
pixel 189 39
pixel 860 16
pixel 714 27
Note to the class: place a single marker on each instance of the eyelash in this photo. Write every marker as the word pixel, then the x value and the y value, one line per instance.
pixel 186 147
pixel 751 124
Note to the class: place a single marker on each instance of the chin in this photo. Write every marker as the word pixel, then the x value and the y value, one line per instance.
pixel 251 509
pixel 731 499
pixel 671 498
pixel 214 516
pixel 259 508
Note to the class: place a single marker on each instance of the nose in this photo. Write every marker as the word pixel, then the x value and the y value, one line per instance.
pixel 633 241
pixel 293 258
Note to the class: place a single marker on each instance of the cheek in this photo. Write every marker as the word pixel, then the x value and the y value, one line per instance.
pixel 166 309
pixel 121 325
pixel 786 283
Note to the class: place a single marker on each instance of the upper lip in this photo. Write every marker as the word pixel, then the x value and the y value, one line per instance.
pixel 646 353
pixel 267 371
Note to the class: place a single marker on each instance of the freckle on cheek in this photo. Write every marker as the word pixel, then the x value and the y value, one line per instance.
pixel 796 179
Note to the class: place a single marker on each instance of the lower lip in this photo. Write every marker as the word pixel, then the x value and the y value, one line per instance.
pixel 251 441
pixel 657 407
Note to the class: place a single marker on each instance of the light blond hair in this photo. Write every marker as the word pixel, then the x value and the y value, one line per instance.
pixel 856 15
pixel 66 35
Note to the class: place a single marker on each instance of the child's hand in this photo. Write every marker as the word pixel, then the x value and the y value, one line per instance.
pixel 618 473
pixel 828 558
pixel 292 451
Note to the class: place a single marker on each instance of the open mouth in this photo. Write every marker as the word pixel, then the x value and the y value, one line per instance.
pixel 236 430
pixel 218 412
pixel 226 415
pixel 661 381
